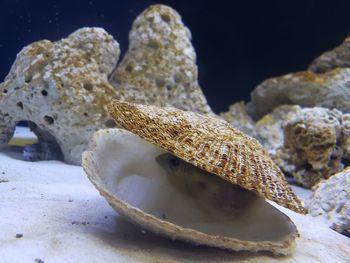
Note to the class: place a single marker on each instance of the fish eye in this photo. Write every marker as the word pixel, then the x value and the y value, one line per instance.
pixel 174 161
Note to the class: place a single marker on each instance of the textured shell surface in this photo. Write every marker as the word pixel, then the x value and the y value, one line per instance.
pixel 210 144
pixel 199 208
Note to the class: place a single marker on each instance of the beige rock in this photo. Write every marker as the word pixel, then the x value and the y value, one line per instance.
pixel 61 88
pixel 269 129
pixel 307 89
pixel 345 135
pixel 238 117
pixel 336 58
pixel 315 145
pixel 159 67
pixel 324 84
pixel 6 128
pixel 331 200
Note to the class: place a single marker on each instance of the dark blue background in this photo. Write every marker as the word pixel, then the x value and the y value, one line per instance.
pixel 238 43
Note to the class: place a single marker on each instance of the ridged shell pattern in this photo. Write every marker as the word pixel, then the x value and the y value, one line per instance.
pixel 210 144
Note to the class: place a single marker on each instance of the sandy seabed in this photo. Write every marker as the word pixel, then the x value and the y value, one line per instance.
pixel 49 211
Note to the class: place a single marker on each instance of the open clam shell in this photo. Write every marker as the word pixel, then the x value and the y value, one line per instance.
pixel 126 171
pixel 210 144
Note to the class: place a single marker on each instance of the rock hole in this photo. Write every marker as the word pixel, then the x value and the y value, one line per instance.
pixel 48 119
pixel 28 78
pixel 46 85
pixel 150 19
pixel 153 44
pixel 308 166
pixel 128 68
pixel 44 93
pixel 332 119
pixel 20 105
pixel 187 85
pixel 21 127
pixel 165 18
pixel 88 86
pixel 177 77
pixel 110 123
pixel 298 130
pixel 86 114
pixel 42 145
pixel 160 82
pixel 5 91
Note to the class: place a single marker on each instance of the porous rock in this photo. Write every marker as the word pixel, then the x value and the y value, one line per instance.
pixel 331 200
pixel 238 117
pixel 61 88
pixel 315 145
pixel 307 89
pixel 6 130
pixel 336 58
pixel 269 129
pixel 159 67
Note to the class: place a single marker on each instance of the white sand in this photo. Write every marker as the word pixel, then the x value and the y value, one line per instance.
pixel 64 219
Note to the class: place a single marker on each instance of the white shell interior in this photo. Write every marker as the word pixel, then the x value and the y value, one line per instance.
pixel 125 167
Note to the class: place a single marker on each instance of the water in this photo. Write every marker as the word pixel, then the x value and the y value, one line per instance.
pixel 238 44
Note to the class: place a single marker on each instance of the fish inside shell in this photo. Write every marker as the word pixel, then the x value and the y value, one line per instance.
pixel 209 192
pixel 164 194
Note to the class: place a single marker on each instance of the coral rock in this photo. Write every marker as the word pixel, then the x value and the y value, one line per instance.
pixel 61 88
pixel 6 128
pixel 336 58
pixel 159 67
pixel 269 129
pixel 307 89
pixel 331 199
pixel 238 117
pixel 315 144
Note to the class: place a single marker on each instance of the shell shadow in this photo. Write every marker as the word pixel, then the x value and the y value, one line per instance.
pixel 131 237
